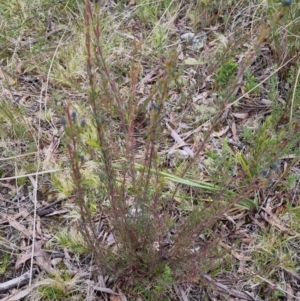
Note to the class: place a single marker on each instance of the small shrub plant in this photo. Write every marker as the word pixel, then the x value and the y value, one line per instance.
pixel 133 185
pixel 147 221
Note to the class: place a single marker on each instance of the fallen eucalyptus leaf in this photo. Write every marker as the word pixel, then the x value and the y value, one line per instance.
pixel 193 62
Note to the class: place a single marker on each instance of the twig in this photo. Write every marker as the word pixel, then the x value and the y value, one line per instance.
pixel 180 141
pixel 17 282
pixel 231 292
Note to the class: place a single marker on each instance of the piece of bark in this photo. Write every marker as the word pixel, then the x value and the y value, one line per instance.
pixel 16 282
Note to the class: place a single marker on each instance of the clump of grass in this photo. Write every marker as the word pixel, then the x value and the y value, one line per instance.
pixel 226 73
pixel 60 286
pixel 72 240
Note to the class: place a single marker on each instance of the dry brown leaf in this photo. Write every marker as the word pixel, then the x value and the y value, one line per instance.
pixel 62 211
pixel 234 132
pixel 273 220
pixel 290 292
pixel 245 94
pixel 8 94
pixel 50 152
pixel 131 3
pixel 234 253
pixel 122 296
pixel 292 273
pixel 38 226
pixel 24 213
pixel 173 119
pixel 23 99
pixel 42 258
pixel 179 140
pixel 19 67
pixel 7 78
pixel 183 125
pixel 115 298
pixel 240 115
pixel 225 289
pixel 15 224
pixel 242 266
pixel 22 258
pixel 234 217
pixel 201 96
pixel 181 293
pixel 261 225
pixel 5 217
pixel 221 132
pixel 101 281
pixel 280 209
pixel 105 290
pixel 266 102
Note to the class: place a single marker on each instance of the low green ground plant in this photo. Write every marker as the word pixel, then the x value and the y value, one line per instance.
pixel 4 264
pixel 226 73
pixel 251 83
pixel 58 287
